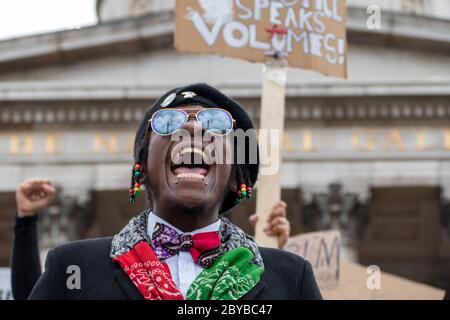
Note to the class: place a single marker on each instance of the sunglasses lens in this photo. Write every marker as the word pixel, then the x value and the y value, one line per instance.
pixel 215 120
pixel 168 121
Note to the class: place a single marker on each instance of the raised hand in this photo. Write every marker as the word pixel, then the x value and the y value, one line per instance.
pixel 33 195
pixel 277 224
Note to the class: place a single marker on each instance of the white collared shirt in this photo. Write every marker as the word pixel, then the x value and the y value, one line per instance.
pixel 182 266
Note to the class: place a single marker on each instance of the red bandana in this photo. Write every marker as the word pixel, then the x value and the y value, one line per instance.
pixel 151 276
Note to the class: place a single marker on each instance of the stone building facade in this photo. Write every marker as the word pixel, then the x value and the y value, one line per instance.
pixel 370 155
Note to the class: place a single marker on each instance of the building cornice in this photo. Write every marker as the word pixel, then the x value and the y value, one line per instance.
pixel 53 91
pixel 420 33
pixel 347 100
pixel 156 30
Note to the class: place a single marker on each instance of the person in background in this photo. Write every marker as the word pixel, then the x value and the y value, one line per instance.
pixel 31 196
pixel 34 195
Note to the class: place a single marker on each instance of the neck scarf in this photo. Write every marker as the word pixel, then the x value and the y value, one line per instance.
pixel 229 278
pixel 153 279
pixel 151 276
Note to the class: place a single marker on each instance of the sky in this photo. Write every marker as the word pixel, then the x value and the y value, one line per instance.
pixel 26 17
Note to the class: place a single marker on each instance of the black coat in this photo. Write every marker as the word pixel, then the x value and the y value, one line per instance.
pixel 286 276
pixel 25 261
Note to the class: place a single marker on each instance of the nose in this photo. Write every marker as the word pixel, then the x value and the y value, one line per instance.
pixel 196 132
pixel 192 125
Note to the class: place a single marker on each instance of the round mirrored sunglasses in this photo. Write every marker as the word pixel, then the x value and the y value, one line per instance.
pixel 217 121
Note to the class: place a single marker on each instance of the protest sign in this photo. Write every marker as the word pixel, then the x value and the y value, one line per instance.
pixel 311 34
pixel 356 283
pixel 322 250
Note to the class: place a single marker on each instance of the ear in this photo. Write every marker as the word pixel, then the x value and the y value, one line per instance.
pixel 144 178
pixel 232 184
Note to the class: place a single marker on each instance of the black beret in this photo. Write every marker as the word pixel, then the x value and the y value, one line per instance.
pixel 208 97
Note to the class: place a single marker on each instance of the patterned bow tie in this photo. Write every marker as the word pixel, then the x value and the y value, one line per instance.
pixel 204 247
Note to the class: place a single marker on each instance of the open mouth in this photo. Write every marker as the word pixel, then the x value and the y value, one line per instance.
pixel 190 163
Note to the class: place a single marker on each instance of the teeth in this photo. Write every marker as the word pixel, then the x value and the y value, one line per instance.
pixel 190 176
pixel 192 150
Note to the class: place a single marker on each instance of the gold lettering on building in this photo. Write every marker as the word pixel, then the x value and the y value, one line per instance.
pixel 15 144
pixel 109 143
pixel 130 144
pixel 447 139
pixel 394 141
pixel 287 143
pixel 308 142
pixel 51 144
pixel 367 145
pixel 360 139
pixel 420 140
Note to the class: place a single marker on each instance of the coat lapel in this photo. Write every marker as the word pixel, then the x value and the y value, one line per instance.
pixel 127 285
pixel 252 294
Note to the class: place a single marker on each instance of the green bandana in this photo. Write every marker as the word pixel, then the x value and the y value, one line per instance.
pixel 229 278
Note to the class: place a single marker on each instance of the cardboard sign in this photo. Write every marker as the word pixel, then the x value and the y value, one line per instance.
pixel 5 284
pixel 311 34
pixel 350 281
pixel 322 250
pixel 356 284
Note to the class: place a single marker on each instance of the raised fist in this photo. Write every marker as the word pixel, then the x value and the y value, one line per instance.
pixel 33 195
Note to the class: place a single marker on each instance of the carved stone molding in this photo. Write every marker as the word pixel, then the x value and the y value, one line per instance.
pixel 68 218
pixel 297 109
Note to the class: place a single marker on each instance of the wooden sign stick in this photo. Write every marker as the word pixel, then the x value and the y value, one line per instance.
pixel 272 117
